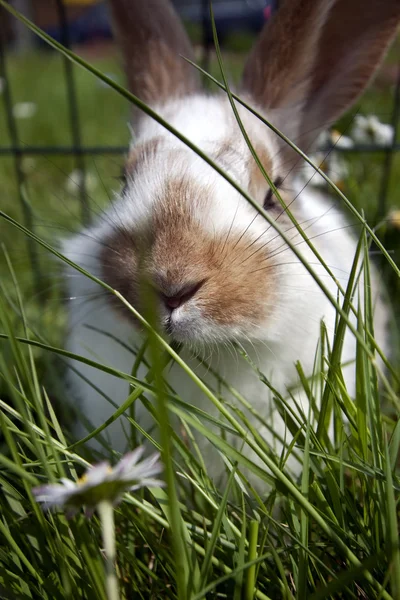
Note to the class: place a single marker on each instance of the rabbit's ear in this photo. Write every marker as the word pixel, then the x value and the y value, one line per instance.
pixel 152 38
pixel 315 57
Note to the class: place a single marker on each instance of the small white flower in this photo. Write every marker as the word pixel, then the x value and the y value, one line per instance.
pixel 24 110
pixel 324 139
pixel 102 483
pixel 369 130
pixel 77 178
pixel 330 163
pixel 394 218
pixel 334 138
pixel 341 141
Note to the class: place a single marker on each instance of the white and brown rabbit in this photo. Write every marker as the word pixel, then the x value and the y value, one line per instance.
pixel 221 272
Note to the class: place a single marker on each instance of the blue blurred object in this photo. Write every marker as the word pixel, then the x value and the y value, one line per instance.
pixel 230 16
pixel 93 23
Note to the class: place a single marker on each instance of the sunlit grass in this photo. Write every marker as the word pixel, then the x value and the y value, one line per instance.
pixel 332 534
pixel 342 512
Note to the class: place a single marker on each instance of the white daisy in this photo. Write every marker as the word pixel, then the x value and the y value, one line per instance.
pixel 394 218
pixel 102 483
pixel 334 138
pixel 369 130
pixel 24 110
pixel 331 164
pixel 341 141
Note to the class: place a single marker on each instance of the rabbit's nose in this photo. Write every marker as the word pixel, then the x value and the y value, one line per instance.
pixel 182 295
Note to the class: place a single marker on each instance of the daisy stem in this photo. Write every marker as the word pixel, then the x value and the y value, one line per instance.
pixel 106 514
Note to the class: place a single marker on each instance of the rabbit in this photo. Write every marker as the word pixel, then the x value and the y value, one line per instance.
pixel 220 272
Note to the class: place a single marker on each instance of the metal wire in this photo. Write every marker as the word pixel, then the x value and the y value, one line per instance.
pixel 17 155
pixel 94 150
pixel 73 111
pixel 63 150
pixel 18 151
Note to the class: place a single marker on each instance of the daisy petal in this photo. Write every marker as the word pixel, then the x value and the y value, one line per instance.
pixel 97 474
pixel 128 461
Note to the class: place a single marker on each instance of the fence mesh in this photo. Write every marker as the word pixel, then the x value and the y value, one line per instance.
pixel 79 151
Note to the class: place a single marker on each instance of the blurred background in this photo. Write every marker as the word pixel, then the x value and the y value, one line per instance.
pixel 63 135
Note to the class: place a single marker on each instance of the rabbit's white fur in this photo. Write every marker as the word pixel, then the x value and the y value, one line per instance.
pixel 290 328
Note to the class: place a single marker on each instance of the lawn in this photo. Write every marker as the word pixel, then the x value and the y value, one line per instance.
pixel 52 185
pixel 333 534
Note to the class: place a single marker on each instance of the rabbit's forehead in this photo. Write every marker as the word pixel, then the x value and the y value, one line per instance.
pixel 199 118
pixel 177 186
pixel 165 177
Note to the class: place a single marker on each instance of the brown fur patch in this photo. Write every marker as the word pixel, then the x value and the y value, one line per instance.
pixel 314 58
pixel 258 185
pixel 153 41
pixel 278 68
pixel 177 252
pixel 119 259
pixel 352 44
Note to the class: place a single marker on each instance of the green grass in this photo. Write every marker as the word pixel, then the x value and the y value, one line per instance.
pixel 333 534
pixel 104 117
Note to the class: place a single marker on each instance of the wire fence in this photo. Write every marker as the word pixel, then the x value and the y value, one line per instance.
pixel 76 149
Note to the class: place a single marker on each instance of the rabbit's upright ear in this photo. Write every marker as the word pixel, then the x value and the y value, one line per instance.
pixel 315 57
pixel 152 38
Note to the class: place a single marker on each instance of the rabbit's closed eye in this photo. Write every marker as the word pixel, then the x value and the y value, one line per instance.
pixel 269 200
